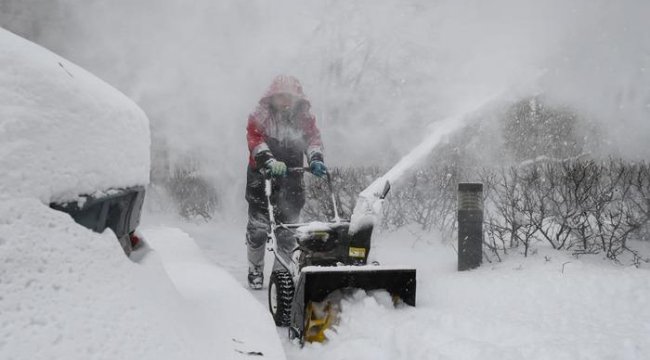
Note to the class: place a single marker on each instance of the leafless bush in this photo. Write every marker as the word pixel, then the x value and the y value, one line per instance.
pixel 614 217
pixel 347 183
pixel 426 199
pixel 577 205
pixel 513 211
pixel 194 195
pixel 640 198
pixel 584 206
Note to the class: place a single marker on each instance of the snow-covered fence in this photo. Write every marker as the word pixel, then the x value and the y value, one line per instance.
pixel 584 206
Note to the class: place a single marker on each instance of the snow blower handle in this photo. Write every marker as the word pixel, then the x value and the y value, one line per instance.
pixel 302 170
pixel 292 170
pixel 298 170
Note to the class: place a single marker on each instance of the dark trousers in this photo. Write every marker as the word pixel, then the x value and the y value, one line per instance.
pixel 288 198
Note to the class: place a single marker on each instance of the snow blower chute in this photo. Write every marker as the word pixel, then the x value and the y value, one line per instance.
pixel 328 257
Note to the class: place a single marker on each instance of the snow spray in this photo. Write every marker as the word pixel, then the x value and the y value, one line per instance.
pixel 367 210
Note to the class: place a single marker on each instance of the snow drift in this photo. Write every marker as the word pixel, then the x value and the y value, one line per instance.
pixel 69 293
pixel 548 306
pixel 64 132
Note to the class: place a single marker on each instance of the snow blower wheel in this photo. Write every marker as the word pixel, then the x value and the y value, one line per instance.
pixel 280 297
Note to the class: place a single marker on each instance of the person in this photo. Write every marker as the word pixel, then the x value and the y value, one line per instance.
pixel 281 132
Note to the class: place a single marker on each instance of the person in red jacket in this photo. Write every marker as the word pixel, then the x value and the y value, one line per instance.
pixel 281 132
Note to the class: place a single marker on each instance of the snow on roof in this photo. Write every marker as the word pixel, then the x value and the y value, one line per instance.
pixel 63 131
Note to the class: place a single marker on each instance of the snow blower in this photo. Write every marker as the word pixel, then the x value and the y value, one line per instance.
pixel 327 258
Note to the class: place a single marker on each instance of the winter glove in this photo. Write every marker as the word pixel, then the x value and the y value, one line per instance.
pixel 318 168
pixel 276 168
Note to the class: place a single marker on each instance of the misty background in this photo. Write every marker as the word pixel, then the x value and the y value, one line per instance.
pixel 572 78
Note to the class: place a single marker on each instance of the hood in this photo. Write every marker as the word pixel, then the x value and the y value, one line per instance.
pixel 285 84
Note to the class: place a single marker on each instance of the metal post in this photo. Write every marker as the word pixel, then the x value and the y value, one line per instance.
pixel 470 225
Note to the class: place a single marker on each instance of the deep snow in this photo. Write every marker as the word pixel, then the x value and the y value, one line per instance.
pixel 547 306
pixel 69 293
pixel 64 132
pixel 565 308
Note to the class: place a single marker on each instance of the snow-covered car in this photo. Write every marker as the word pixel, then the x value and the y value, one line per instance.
pixel 70 140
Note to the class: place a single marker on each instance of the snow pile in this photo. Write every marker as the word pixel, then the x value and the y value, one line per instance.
pixel 549 306
pixel 353 268
pixel 64 132
pixel 69 293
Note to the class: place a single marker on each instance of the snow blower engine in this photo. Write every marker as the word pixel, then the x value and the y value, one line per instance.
pixel 327 258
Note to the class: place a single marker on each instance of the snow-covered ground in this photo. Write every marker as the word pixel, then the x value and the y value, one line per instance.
pixel 226 318
pixel 547 306
pixel 69 293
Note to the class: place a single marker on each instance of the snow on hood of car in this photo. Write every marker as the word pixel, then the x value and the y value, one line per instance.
pixel 63 131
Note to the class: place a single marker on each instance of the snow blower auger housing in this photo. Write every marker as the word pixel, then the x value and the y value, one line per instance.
pixel 327 258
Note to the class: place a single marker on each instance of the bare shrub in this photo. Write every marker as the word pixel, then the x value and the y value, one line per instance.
pixel 584 206
pixel 578 205
pixel 194 195
pixel 347 183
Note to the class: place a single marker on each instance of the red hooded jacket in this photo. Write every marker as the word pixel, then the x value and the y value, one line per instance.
pixel 287 138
